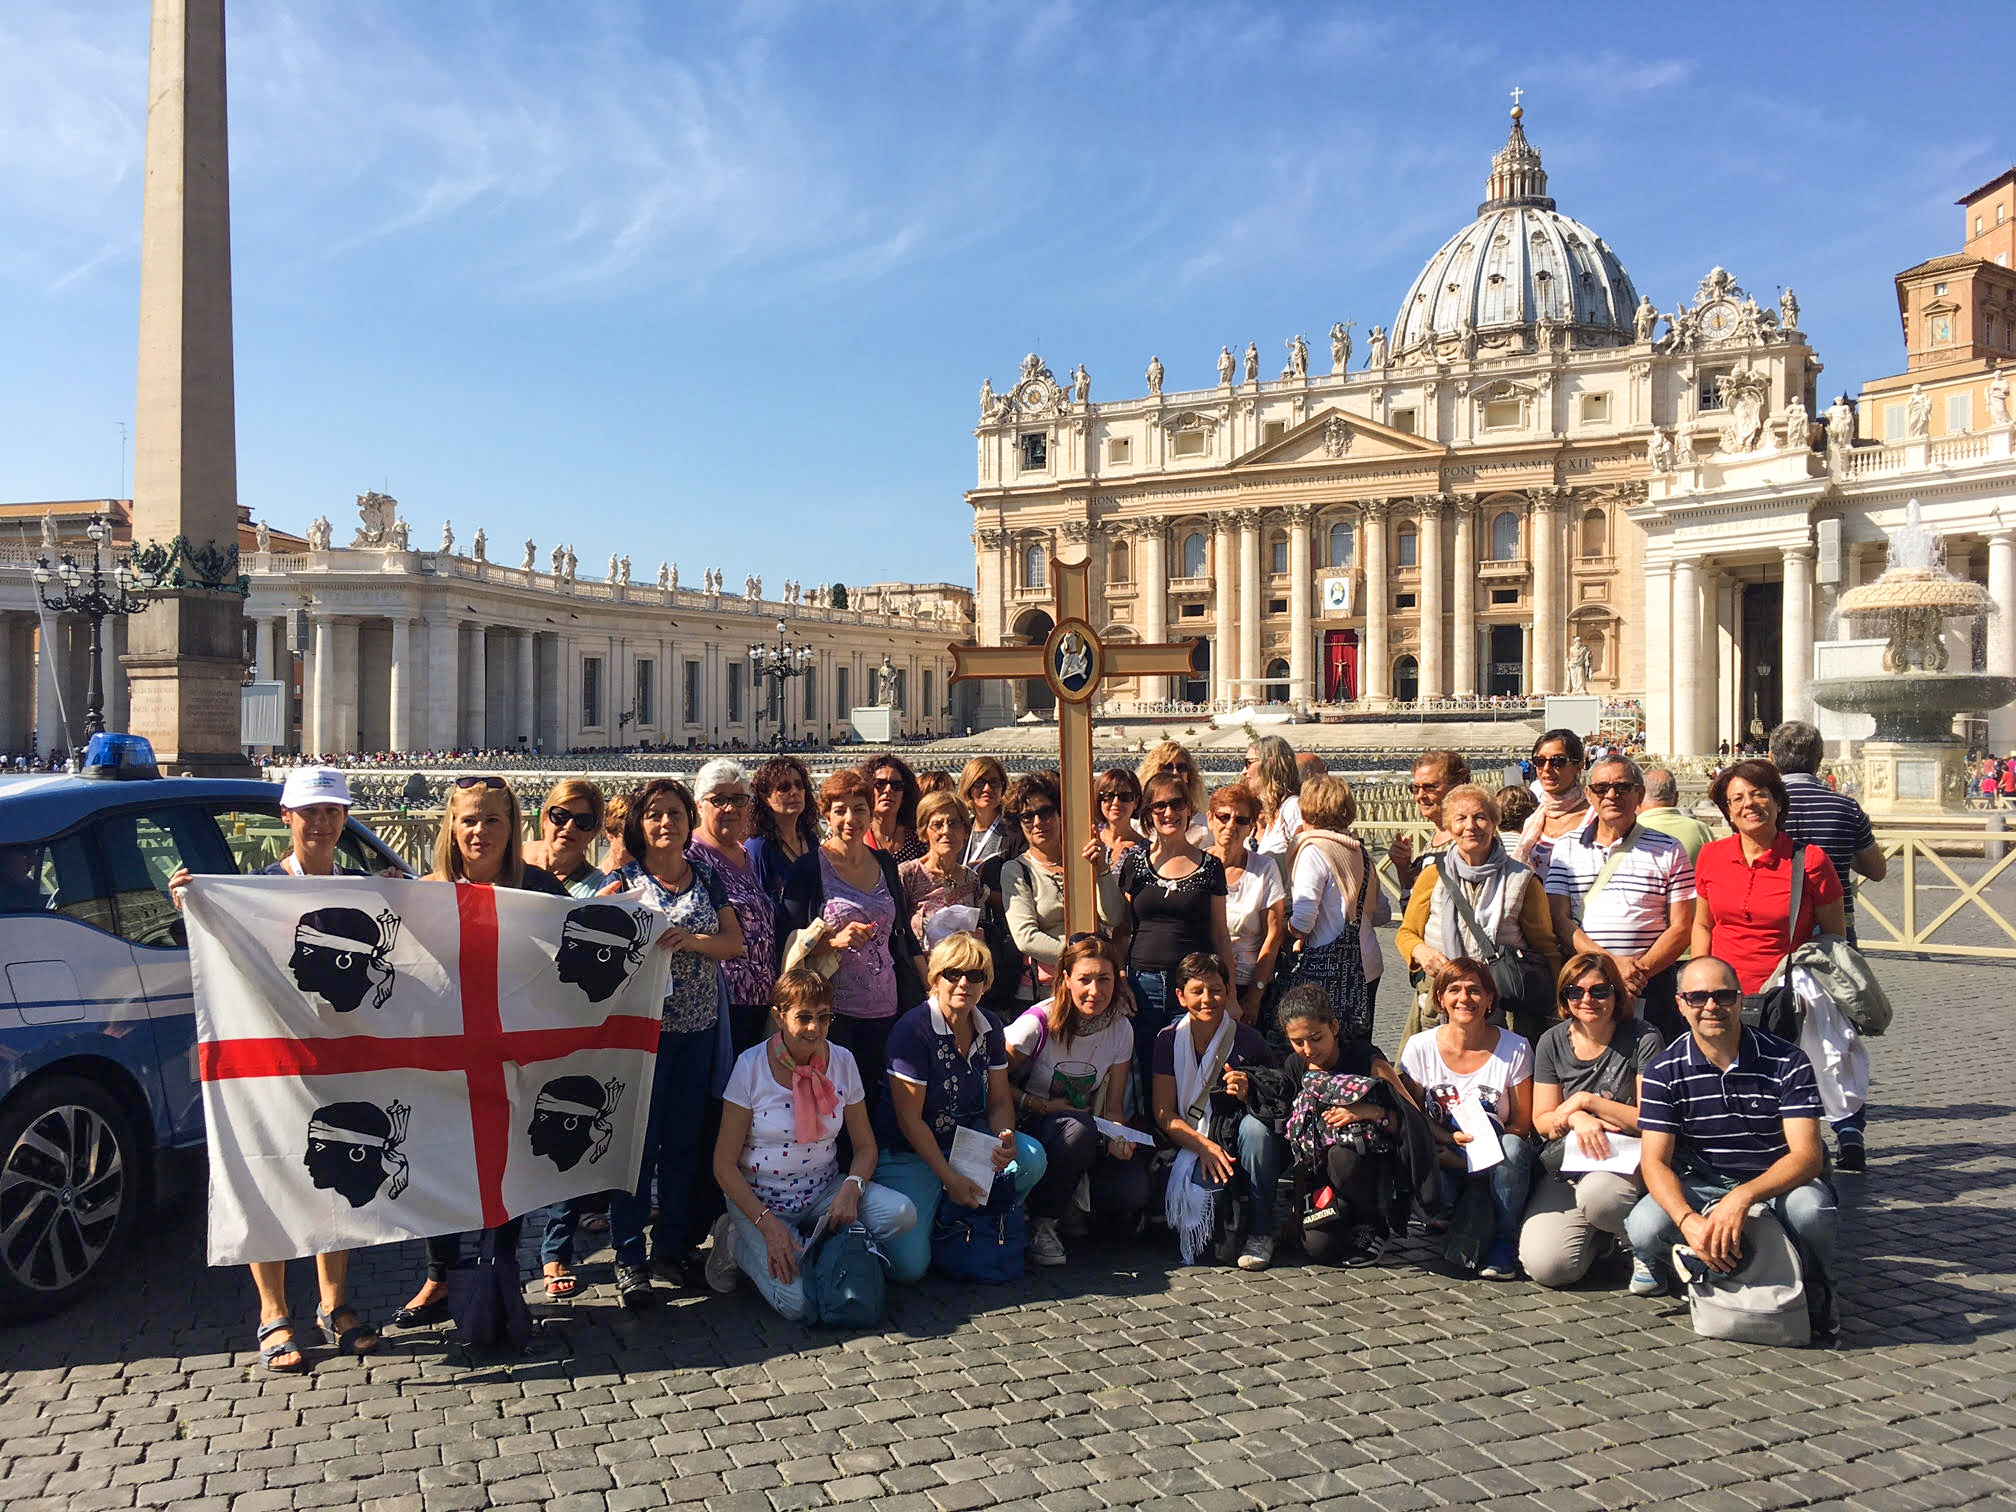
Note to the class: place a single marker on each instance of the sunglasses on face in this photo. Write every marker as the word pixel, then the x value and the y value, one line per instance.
pixel 560 818
pixel 883 784
pixel 1176 768
pixel 984 782
pixel 1169 806
pixel 1606 789
pixel 494 783
pixel 1231 819
pixel 787 787
pixel 1721 997
pixel 1424 789
pixel 972 975
pixel 1037 815
pixel 1106 798
pixel 1554 763
pixel 1600 993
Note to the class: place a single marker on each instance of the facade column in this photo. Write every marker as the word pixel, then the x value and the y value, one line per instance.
pixel 1547 613
pixel 2002 630
pixel 1796 632
pixel 1659 658
pixel 475 682
pixel 1250 577
pixel 1302 688
pixel 1224 607
pixel 444 684
pixel 1433 655
pixel 527 706
pixel 1687 734
pixel 322 692
pixel 400 718
pixel 118 702
pixel 347 693
pixel 1375 671
pixel 10 701
pixel 1463 630
pixel 262 650
pixel 1151 575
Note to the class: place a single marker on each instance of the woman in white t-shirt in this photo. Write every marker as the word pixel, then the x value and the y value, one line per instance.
pixel 1256 902
pixel 781 1115
pixel 1070 1055
pixel 1467 1058
pixel 1276 781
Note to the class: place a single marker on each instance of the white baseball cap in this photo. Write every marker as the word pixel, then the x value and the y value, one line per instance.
pixel 309 785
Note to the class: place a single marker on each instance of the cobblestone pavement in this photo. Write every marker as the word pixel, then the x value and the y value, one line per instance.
pixel 1117 1380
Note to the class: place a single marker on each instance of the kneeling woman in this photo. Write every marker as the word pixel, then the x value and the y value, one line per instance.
pixel 1076 1050
pixel 1204 1066
pixel 1342 1132
pixel 948 1070
pixel 1467 1059
pixel 786 1102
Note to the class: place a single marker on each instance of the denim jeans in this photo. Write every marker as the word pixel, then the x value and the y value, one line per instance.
pixel 1075 1149
pixel 1511 1179
pixel 672 1153
pixel 885 1213
pixel 1261 1152
pixel 1808 1212
pixel 563 1222
pixel 906 1174
pixel 1154 1010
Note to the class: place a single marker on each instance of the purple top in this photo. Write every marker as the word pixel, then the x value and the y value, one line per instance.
pixel 751 978
pixel 865 986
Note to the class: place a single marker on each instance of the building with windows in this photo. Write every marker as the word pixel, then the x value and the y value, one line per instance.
pixel 384 647
pixel 1446 519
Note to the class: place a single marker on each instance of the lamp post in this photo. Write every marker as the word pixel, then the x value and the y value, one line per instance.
pixel 779 664
pixel 96 602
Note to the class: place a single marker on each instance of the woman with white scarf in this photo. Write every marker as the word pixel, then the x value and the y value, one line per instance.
pixel 1557 767
pixel 1506 897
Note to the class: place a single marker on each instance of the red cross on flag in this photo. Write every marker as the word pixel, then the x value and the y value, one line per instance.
pixel 384 1060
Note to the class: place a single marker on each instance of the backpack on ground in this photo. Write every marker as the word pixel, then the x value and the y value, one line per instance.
pixel 1762 1301
pixel 846 1280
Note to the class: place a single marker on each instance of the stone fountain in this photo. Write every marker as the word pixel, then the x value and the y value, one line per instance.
pixel 1913 765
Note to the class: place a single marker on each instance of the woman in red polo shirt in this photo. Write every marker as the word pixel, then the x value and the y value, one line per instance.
pixel 1743 883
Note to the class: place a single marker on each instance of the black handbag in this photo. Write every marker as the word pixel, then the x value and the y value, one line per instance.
pixel 1775 1010
pixel 1525 986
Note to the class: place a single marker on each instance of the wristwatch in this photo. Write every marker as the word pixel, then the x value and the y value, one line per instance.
pixel 856 1180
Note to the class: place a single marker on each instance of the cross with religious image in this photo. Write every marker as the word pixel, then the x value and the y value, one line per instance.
pixel 1075 663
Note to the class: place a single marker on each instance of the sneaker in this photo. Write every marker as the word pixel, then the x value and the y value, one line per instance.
pixel 1045 1248
pixel 1367 1246
pixel 1501 1263
pixel 633 1286
pixel 1853 1156
pixel 721 1269
pixel 1645 1282
pixel 1258 1254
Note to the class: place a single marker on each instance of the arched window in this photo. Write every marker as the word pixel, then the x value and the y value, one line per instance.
pixel 1035 565
pixel 1595 533
pixel 1406 679
pixel 1193 555
pixel 1277 681
pixel 1407 547
pixel 1505 537
pixel 1116 567
pixel 1340 544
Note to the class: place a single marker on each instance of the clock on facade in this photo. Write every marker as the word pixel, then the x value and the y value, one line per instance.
pixel 1719 318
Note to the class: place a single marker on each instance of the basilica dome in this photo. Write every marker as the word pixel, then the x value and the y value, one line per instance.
pixel 1520 265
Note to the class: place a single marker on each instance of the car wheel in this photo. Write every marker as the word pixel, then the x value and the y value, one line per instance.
pixel 70 1191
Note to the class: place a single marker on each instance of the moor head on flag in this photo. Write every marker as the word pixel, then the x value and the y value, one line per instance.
pixel 571 1118
pixel 353 1145
pixel 342 953
pixel 599 946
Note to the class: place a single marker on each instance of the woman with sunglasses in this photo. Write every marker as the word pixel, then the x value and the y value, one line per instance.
pixel 893 825
pixel 1172 759
pixel 1276 783
pixel 948 1070
pixel 1564 805
pixel 1032 884
pixel 722 790
pixel 1116 802
pixel 481 842
pixel 569 824
pixel 1175 893
pixel 782 824
pixel 983 787
pixel 1587 1071
pixel 1256 903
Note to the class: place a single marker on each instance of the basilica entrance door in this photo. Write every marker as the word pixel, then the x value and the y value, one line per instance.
pixel 1340 666
pixel 1505 661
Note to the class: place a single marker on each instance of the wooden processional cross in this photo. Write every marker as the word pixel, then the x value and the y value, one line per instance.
pixel 1075 663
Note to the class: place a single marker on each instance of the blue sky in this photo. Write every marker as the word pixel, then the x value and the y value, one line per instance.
pixel 719 283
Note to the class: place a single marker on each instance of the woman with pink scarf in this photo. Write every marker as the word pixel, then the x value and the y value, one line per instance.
pixel 1557 781
pixel 781 1116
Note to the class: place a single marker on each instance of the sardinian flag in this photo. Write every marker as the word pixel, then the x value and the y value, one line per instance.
pixel 385 1060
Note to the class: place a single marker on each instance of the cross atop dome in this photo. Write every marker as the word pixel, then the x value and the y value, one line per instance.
pixel 1516 175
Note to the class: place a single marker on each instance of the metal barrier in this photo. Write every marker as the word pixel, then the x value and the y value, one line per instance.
pixel 1948 892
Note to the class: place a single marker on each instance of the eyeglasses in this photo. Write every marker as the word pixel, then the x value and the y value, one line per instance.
pixel 883 784
pixel 1169 806
pixel 1554 763
pixel 1083 935
pixel 1037 815
pixel 560 818
pixel 1602 992
pixel 1721 997
pixel 1418 789
pixel 1229 818
pixel 727 800
pixel 973 975
pixel 1606 789
pixel 495 784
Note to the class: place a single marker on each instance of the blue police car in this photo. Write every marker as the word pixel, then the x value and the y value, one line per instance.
pixel 100 1110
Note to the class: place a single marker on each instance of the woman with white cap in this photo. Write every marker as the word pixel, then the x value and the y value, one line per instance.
pixel 315 804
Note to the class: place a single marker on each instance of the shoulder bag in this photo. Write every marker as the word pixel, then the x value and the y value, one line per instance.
pixel 846 1280
pixel 1775 1010
pixel 1525 989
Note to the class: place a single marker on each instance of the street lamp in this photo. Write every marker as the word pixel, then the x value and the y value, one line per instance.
pixel 96 603
pixel 779 664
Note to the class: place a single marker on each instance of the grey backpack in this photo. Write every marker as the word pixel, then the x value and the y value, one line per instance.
pixel 1762 1301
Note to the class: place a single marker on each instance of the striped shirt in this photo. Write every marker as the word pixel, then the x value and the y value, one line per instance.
pixel 1833 821
pixel 1635 906
pixel 1733 1120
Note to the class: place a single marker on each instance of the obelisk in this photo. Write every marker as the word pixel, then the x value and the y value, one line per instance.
pixel 185 654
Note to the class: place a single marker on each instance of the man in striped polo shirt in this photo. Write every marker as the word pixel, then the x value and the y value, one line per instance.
pixel 1625 890
pixel 1730 1117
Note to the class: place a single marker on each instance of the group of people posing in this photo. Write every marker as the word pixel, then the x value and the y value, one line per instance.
pixel 889 957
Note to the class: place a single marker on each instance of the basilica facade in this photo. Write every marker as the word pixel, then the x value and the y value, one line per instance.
pixel 1455 515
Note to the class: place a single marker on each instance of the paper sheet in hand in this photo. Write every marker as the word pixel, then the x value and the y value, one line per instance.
pixel 973 1156
pixel 1114 1130
pixel 1484 1150
pixel 1623 1156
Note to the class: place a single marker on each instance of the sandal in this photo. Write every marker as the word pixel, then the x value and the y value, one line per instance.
pixel 351 1340
pixel 268 1353
pixel 560 1281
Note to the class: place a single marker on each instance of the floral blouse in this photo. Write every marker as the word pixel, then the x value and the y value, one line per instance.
pixel 692 991
pixel 924 894
pixel 751 978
